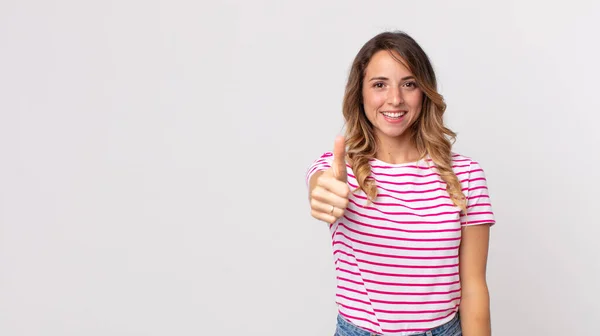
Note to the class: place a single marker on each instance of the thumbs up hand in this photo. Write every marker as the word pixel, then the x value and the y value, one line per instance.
pixel 339 160
pixel 330 191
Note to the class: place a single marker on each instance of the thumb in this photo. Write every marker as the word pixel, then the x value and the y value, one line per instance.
pixel 339 159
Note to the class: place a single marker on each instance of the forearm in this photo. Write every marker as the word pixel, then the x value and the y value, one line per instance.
pixel 475 313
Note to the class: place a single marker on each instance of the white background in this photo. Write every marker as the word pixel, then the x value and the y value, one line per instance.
pixel 152 158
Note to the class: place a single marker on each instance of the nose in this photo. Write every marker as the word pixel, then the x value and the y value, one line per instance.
pixel 395 97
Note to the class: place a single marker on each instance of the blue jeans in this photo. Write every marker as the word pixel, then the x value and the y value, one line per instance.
pixel 451 328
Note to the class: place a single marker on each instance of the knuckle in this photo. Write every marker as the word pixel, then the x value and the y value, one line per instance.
pixel 345 203
pixel 320 194
pixel 315 192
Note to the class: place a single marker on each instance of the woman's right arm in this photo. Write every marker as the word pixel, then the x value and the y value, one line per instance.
pixel 328 189
pixel 312 184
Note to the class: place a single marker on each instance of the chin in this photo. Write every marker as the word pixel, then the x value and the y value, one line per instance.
pixel 394 133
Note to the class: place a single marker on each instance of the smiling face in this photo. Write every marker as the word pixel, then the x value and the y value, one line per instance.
pixel 391 98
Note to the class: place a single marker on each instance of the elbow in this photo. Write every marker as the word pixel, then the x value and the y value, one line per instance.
pixel 475 289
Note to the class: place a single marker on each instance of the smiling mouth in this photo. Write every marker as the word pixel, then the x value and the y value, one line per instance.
pixel 394 114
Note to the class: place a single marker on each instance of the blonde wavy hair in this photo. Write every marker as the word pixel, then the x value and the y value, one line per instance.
pixel 429 133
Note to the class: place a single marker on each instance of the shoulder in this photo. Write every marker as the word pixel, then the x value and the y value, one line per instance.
pixel 462 163
pixel 459 158
pixel 324 157
pixel 320 162
pixel 469 172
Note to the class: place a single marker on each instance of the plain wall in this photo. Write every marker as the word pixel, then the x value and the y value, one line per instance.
pixel 152 158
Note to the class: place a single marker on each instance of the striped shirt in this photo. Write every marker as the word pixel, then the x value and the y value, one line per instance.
pixel 396 260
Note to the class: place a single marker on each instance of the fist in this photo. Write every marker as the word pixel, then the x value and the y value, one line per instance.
pixel 329 196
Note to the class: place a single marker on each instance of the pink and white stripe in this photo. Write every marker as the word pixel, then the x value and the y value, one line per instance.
pixel 396 259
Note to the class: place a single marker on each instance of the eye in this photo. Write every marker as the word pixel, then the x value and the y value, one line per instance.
pixel 378 85
pixel 410 85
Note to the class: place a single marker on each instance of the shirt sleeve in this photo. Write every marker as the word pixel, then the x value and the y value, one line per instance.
pixel 479 205
pixel 322 163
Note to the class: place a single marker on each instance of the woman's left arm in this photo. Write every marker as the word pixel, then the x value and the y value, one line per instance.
pixel 475 297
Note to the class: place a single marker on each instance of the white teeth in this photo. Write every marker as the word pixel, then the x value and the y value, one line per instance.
pixel 394 115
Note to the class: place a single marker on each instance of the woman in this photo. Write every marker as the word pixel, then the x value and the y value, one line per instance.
pixel 409 218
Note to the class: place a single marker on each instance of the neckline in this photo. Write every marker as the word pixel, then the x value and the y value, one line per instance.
pixel 397 165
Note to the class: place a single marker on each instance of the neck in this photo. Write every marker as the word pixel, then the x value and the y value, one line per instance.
pixel 397 150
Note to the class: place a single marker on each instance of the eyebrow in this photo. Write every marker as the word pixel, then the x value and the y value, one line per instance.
pixel 385 78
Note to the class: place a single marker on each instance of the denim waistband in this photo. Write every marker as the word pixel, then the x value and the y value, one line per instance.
pixel 450 328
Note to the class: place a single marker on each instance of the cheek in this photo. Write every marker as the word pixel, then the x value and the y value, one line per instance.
pixel 373 100
pixel 416 101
